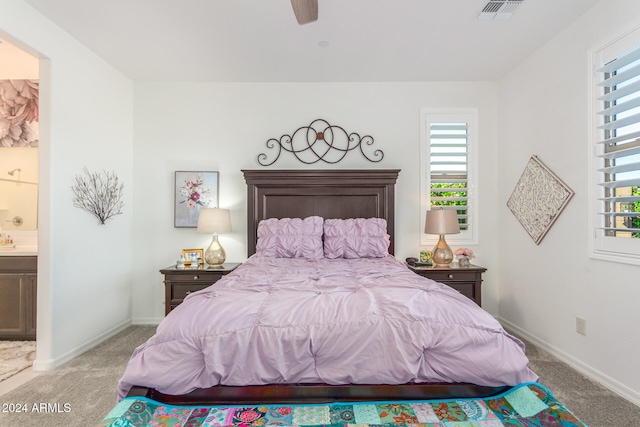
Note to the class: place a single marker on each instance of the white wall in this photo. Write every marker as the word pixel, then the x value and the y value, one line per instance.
pixel 543 110
pixel 86 113
pixel 223 127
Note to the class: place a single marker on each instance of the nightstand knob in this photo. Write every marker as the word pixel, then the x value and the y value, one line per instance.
pixel 451 276
pixel 195 277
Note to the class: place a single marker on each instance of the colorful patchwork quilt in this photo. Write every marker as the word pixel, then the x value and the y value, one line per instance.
pixel 530 404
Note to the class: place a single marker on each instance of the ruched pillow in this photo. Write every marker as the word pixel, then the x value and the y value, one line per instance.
pixel 356 238
pixel 290 238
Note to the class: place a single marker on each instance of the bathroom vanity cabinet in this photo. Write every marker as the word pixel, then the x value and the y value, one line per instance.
pixel 18 295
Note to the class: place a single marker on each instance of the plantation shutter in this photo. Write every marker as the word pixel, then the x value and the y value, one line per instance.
pixel 449 168
pixel 618 145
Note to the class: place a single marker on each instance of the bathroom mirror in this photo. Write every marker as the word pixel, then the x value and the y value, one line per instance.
pixel 18 188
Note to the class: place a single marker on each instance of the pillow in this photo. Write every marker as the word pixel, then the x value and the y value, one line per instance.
pixel 290 238
pixel 356 238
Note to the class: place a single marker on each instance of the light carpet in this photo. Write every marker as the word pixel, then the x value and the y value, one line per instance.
pixel 83 391
pixel 15 356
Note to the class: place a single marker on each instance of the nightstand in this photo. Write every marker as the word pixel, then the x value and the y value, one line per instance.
pixel 180 282
pixel 466 280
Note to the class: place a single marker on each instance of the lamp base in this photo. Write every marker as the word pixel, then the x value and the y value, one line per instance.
pixel 215 255
pixel 442 253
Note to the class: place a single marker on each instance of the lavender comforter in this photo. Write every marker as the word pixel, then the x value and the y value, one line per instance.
pixel 340 321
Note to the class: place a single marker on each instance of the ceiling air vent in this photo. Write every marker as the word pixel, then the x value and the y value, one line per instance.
pixel 499 9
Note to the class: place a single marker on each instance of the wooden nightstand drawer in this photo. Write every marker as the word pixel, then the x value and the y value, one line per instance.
pixel 466 289
pixel 452 276
pixel 180 282
pixel 466 280
pixel 180 290
pixel 194 276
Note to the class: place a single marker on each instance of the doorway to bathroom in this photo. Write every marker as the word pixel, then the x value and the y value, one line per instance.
pixel 19 163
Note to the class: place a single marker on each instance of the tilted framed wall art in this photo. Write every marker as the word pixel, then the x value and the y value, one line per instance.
pixel 538 199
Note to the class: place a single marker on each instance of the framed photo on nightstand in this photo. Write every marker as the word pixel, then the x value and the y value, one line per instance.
pixel 193 254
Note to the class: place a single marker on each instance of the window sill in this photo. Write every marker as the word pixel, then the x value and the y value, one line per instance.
pixel 615 257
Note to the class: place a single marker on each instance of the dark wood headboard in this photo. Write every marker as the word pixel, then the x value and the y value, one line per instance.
pixel 330 193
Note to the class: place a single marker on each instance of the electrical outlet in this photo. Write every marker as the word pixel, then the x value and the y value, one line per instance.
pixel 581 326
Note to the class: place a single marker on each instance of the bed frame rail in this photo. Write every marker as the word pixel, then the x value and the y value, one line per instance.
pixel 319 393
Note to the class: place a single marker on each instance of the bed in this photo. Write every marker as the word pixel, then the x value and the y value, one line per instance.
pixel 317 316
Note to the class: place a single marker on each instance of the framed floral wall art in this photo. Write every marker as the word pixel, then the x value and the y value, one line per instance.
pixel 538 199
pixel 19 113
pixel 193 191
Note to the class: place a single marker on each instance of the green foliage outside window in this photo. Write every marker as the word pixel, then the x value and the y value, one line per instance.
pixel 451 195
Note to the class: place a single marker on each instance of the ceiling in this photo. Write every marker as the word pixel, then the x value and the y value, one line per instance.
pixel 353 40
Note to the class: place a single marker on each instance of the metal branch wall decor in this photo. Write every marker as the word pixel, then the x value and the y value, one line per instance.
pixel 99 194
pixel 320 141
pixel 538 199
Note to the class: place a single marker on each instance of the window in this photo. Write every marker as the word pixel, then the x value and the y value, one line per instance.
pixel 448 145
pixel 616 160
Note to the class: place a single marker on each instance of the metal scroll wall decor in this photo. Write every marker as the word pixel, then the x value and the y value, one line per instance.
pixel 320 141
pixel 538 199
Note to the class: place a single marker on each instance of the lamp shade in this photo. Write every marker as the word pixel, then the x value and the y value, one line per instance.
pixel 214 220
pixel 441 221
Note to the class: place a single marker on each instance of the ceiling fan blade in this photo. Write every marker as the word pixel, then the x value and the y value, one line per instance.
pixel 305 10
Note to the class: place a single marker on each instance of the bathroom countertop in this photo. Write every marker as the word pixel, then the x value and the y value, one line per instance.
pixel 19 251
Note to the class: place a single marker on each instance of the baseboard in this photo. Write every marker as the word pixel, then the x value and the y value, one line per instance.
pixel 608 382
pixel 147 320
pixel 50 364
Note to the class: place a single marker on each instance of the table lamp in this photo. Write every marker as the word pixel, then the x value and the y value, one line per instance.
pixel 214 220
pixel 441 222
